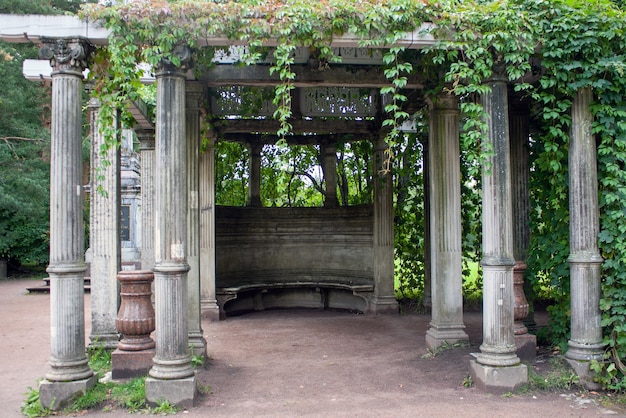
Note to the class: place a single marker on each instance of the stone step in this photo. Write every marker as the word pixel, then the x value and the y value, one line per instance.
pixel 45 287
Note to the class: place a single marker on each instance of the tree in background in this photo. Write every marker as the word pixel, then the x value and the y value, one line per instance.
pixel 24 146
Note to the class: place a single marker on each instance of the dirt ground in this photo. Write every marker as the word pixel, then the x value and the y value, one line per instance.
pixel 294 363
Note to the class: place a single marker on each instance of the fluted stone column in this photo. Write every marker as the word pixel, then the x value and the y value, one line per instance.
pixel 446 324
pixel 146 144
pixel 104 234
pixel 329 167
pixel 69 372
pixel 194 98
pixel 519 121
pixel 427 300
pixel 384 300
pixel 585 260
pixel 497 367
pixel 254 189
pixel 171 377
pixel 208 300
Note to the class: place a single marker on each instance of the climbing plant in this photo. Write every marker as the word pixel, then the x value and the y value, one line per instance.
pixel 546 49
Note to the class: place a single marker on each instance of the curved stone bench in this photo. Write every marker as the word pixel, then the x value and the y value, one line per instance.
pixel 317 294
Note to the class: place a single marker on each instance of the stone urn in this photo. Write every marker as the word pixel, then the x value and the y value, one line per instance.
pixel 135 318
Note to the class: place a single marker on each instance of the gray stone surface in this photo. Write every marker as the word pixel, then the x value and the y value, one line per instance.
pixel 172 359
pixel 585 259
pixel 498 347
pixel 67 231
pixel 445 223
pixel 584 372
pixel 498 380
pixel 194 97
pixel 57 395
pixel 526 346
pixel 179 392
pixel 104 236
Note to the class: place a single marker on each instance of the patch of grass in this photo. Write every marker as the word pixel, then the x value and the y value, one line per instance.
pixel 558 377
pixel 164 408
pixel 444 347
pixel 93 398
pixel 131 395
pixel 99 359
pixel 32 406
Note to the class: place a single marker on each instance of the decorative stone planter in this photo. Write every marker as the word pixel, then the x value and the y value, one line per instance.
pixel 135 318
pixel 135 321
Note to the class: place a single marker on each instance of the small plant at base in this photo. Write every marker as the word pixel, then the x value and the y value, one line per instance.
pixel 196 360
pixel 99 359
pixel 164 407
pixel 204 389
pixel 467 382
pixel 32 406
pixel 444 347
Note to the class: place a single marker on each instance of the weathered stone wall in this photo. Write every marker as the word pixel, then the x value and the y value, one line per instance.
pixel 256 245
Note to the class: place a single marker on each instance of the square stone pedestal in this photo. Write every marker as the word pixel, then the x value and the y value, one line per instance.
pixel 437 336
pixel 584 373
pixel 57 395
pixel 498 380
pixel 179 392
pixel 526 347
pixel 128 364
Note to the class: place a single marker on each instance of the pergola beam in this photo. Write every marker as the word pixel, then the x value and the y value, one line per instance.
pixel 269 139
pixel 336 76
pixel 318 126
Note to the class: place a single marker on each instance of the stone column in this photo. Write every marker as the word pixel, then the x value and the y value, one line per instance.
pixel 104 236
pixel 445 223
pixel 172 377
pixel 519 120
pixel 69 372
pixel 384 300
pixel 497 367
pixel 427 301
pixel 329 167
pixel 194 99
pixel 254 189
pixel 208 300
pixel 146 143
pixel 585 260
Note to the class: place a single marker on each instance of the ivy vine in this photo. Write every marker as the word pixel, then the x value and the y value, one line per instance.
pixel 546 49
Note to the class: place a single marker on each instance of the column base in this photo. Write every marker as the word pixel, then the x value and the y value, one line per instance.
pixel 383 305
pixel 128 364
pixel 105 341
pixel 584 373
pixel 437 336
pixel 197 344
pixel 210 311
pixel 584 352
pixel 57 395
pixel 179 392
pixel 526 346
pixel 498 380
